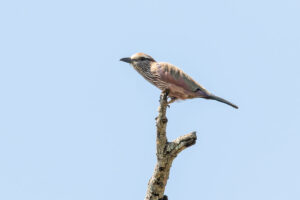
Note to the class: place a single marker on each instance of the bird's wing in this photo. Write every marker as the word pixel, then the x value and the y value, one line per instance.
pixel 173 75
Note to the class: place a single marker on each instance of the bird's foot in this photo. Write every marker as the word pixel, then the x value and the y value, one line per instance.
pixel 167 91
pixel 172 99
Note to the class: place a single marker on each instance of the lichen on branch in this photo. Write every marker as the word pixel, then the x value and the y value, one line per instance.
pixel 166 152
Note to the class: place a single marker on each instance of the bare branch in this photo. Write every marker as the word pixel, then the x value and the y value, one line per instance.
pixel 161 124
pixel 166 152
pixel 183 142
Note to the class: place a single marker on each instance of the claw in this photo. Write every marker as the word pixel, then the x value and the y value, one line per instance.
pixel 167 91
pixel 172 100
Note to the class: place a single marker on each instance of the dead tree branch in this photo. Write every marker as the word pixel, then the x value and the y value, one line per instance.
pixel 166 152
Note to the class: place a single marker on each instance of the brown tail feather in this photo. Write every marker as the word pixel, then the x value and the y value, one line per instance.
pixel 222 100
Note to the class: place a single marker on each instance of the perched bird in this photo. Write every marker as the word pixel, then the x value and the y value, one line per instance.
pixel 166 76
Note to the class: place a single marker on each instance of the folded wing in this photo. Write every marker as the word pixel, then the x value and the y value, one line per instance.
pixel 175 76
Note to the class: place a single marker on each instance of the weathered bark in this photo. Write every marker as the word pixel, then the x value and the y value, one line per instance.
pixel 166 152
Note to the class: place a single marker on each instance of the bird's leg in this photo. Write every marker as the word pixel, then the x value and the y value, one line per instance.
pixel 172 99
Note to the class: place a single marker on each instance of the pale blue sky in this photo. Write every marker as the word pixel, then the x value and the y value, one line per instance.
pixel 75 123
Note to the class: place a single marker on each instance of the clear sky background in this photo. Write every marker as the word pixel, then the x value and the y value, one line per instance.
pixel 76 123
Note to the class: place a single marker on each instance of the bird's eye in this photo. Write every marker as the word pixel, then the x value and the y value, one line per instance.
pixel 142 58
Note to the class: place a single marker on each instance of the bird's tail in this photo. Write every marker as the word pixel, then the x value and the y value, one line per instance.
pixel 211 96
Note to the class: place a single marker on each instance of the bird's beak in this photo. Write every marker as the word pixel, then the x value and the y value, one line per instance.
pixel 128 60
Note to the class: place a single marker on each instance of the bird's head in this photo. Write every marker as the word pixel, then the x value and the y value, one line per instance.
pixel 139 59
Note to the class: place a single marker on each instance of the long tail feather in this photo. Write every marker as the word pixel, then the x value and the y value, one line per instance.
pixel 211 96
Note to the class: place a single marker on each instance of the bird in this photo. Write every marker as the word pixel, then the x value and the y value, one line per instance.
pixel 168 77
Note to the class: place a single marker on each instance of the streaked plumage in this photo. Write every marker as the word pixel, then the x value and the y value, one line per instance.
pixel 167 76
